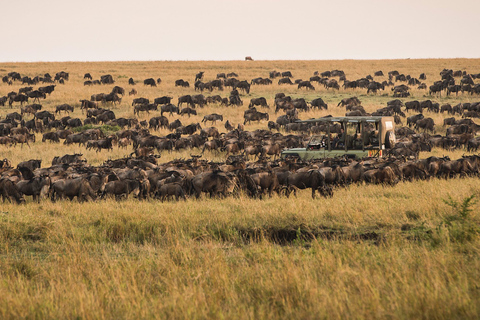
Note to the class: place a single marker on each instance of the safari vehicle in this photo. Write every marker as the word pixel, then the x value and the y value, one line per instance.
pixel 359 137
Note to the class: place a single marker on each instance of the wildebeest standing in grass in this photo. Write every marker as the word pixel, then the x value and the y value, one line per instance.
pixel 150 82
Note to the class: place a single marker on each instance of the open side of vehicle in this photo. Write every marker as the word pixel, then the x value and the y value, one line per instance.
pixel 359 137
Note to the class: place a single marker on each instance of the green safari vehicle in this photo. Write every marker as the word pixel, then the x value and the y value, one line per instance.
pixel 359 137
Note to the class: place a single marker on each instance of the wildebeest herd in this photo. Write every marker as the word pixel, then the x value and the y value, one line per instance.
pixel 142 175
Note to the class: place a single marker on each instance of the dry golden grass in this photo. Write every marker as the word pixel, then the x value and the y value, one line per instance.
pixel 368 252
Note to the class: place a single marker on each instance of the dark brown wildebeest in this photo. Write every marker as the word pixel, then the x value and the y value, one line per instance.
pixel 256 116
pixel 305 84
pixel 258 102
pixel 112 97
pixel 158 122
pixel 413 105
pixel 140 101
pixel 412 120
pixel 64 107
pixel 106 116
pixel 170 108
pixel 174 189
pixel 188 111
pixel 271 150
pixel 244 86
pixel 266 182
pixel 307 179
pixel 199 76
pixel 381 176
pixel 150 82
pixel 212 117
pixel 18 98
pixel 229 126
pixel 162 100
pixel 425 124
pixel 87 76
pixel 186 99
pixel 71 188
pixel 30 164
pixel 52 136
pixel 182 83
pixel 285 81
pixel 131 82
pixel 209 132
pixel 118 90
pixel 132 92
pixel 37 187
pixel 144 107
pixel 349 101
pixel 248 58
pixel 87 104
pixel 107 79
pixel 8 191
pixel 98 97
pixel 216 183
pixel 319 103
pixel 332 83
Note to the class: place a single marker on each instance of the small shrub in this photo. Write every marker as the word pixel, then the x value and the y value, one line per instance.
pixel 460 224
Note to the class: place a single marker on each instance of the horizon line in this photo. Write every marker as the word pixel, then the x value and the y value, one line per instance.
pixel 232 60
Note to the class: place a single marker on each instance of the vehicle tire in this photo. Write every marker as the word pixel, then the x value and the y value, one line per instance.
pixel 390 140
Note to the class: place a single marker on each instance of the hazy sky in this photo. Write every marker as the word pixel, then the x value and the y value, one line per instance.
pixel 98 30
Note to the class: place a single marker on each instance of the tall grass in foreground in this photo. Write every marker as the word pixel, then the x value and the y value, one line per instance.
pixel 369 252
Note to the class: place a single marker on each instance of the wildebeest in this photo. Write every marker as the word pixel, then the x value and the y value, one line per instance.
pixel 71 188
pixel 216 183
pixel 425 124
pixel 170 190
pixel 181 83
pixel 256 116
pixel 64 107
pixel 258 102
pixel 212 117
pixel 140 101
pixel 199 75
pixel 170 108
pixel 150 82
pixel 162 100
pixel 188 111
pixel 305 84
pixel 285 81
pixel 307 179
pixel 186 99
pixel 319 103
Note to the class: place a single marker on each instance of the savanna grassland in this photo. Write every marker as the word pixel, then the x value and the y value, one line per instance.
pixel 409 251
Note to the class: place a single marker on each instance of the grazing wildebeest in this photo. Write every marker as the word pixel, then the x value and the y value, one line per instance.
pixel 285 81
pixel 307 179
pixel 319 103
pixel 305 84
pixel 87 76
pixel 258 102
